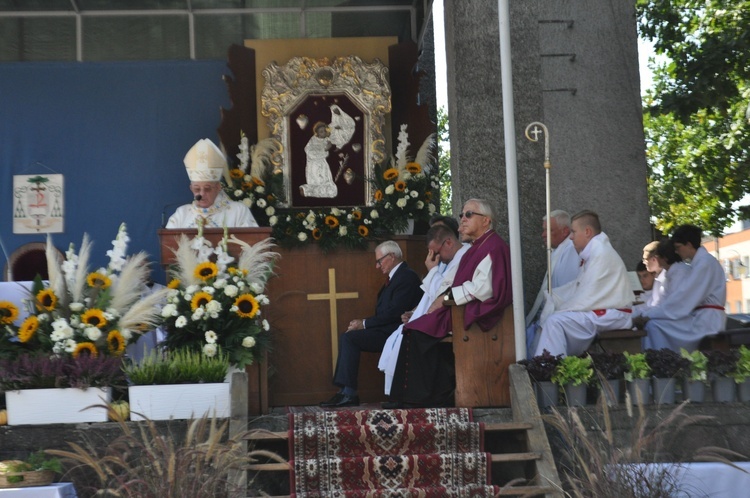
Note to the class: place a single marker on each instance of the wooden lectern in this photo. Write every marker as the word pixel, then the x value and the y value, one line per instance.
pixel 313 296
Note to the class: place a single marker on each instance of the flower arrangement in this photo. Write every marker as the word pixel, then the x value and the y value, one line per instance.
pixel 213 304
pixel 84 312
pixel 403 188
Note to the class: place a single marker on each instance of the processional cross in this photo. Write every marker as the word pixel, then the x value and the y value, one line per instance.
pixel 536 128
pixel 332 297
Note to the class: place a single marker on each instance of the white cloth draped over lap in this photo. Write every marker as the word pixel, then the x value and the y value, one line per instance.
pixel 434 284
pixel 565 263
pixel 223 213
pixel 682 320
pixel 568 320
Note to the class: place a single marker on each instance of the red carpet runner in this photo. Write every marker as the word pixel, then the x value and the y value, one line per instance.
pixel 388 453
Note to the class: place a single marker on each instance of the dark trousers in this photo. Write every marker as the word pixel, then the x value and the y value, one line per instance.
pixel 351 344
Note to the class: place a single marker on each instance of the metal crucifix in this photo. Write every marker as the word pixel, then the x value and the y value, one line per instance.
pixel 533 130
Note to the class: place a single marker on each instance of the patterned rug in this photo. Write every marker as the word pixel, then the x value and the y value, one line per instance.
pixel 421 452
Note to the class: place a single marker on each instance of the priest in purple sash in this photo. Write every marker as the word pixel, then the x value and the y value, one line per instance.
pixel 424 373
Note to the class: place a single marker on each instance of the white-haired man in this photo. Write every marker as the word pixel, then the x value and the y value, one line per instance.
pixel 211 207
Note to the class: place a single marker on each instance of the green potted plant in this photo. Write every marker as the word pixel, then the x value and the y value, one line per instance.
pixel 741 374
pixel 666 365
pixel 695 377
pixel 610 368
pixel 637 375
pixel 573 374
pixel 541 368
pixel 721 365
pixel 36 470
pixel 178 384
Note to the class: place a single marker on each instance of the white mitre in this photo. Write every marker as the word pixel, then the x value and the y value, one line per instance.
pixel 204 162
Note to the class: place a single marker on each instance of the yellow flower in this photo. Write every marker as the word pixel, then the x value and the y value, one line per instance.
pixel 206 270
pixel 357 215
pixel 96 279
pixel 46 300
pixel 94 317
pixel 316 233
pixel 258 181
pixel 85 347
pixel 428 196
pixel 8 312
pixel 174 283
pixel 200 299
pixel 28 328
pixel 236 173
pixel 332 221
pixel 413 168
pixel 247 306
pixel 378 195
pixel 363 231
pixel 390 174
pixel 115 343
pixel 400 186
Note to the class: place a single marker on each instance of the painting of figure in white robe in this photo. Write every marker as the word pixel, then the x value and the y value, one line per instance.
pixel 318 175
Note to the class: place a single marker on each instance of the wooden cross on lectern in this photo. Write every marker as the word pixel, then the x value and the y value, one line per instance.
pixel 332 297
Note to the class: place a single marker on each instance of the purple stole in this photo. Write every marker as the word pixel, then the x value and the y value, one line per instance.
pixel 484 313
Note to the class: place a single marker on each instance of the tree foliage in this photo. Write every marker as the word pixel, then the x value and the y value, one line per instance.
pixel 696 119
pixel 444 163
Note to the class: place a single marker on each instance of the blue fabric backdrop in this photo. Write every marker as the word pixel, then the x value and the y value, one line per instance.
pixel 118 132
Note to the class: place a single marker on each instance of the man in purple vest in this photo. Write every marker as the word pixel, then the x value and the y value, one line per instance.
pixel 424 373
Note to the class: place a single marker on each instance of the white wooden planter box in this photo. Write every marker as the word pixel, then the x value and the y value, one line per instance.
pixel 179 401
pixel 57 406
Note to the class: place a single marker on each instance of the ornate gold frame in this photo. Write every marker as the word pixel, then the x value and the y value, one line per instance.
pixel 365 84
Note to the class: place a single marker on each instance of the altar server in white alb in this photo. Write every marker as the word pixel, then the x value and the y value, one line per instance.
pixel 211 207
pixel 564 262
pixel 694 308
pixel 598 299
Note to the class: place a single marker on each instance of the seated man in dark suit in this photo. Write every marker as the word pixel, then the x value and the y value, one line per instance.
pixel 400 293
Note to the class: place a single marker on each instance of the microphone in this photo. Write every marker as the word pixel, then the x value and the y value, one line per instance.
pixel 198 197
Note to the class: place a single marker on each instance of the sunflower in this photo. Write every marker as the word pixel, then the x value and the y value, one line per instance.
pixel 271 197
pixel 206 270
pixel 316 233
pixel 428 196
pixel 247 185
pixel 46 300
pixel 174 283
pixel 390 174
pixel 28 328
pixel 115 343
pixel 98 280
pixel 8 312
pixel 363 231
pixel 400 186
pixel 94 317
pixel 236 173
pixel 85 348
pixel 200 299
pixel 357 215
pixel 332 221
pixel 378 195
pixel 247 306
pixel 258 181
pixel 413 168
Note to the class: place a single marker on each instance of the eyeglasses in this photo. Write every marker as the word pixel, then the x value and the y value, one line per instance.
pixel 469 214
pixel 379 261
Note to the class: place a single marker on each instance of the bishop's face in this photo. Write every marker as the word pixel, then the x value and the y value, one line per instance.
pixel 208 192
pixel 473 223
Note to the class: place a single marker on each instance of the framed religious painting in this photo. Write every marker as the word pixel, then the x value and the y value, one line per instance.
pixel 328 118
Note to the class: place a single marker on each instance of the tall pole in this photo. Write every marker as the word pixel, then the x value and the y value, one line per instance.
pixel 511 179
pixel 532 133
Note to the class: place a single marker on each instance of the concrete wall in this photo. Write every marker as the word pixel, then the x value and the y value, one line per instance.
pixel 575 68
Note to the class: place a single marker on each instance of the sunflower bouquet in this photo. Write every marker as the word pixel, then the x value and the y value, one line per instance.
pixel 214 302
pixel 404 188
pixel 79 311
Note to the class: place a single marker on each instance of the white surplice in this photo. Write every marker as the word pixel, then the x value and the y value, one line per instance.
pixel 578 310
pixel 223 213
pixel 435 283
pixel 693 307
pixel 565 262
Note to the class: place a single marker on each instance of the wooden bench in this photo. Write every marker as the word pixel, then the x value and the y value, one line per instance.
pixel 726 339
pixel 618 341
pixel 482 360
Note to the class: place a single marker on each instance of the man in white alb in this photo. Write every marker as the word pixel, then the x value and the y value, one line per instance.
pixel 211 207
pixel 598 299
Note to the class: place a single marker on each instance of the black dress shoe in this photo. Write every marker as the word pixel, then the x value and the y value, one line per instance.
pixel 340 399
pixel 391 405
